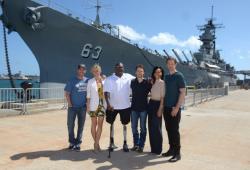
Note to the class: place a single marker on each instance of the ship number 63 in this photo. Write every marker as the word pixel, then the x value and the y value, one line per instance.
pixel 90 51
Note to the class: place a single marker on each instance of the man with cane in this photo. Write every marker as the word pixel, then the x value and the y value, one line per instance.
pixel 117 94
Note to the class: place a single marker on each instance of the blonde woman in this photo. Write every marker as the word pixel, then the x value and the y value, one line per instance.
pixel 96 105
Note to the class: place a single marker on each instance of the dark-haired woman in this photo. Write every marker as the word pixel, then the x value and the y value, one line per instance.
pixel 155 110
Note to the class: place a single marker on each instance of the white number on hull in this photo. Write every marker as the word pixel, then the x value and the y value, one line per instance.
pixel 88 50
pixel 98 50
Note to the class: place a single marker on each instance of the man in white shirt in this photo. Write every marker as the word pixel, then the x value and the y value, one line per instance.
pixel 117 92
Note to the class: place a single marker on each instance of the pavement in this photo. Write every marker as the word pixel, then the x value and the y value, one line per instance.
pixel 215 135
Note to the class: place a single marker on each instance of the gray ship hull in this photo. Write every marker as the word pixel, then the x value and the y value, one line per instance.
pixel 58 48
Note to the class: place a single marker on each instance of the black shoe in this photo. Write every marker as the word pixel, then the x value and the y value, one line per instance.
pixel 77 148
pixel 175 158
pixel 155 153
pixel 125 147
pixel 168 153
pixel 140 150
pixel 71 146
pixel 135 148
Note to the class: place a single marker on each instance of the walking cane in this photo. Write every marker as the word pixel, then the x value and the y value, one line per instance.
pixel 110 142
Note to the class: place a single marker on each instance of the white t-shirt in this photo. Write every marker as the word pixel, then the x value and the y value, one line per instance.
pixel 119 89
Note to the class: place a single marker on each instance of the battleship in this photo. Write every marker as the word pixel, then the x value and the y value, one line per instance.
pixel 60 41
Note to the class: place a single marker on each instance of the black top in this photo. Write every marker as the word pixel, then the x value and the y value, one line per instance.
pixel 139 94
pixel 173 84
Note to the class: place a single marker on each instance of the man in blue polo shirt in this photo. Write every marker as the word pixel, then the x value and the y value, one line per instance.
pixel 174 98
pixel 75 93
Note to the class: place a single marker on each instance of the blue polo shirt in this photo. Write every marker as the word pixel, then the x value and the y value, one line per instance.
pixel 173 84
pixel 77 88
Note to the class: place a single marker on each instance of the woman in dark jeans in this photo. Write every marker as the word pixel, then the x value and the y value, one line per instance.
pixel 155 110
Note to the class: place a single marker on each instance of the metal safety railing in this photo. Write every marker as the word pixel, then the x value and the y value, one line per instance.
pixel 232 88
pixel 194 97
pixel 22 101
pixel 40 99
pixel 11 99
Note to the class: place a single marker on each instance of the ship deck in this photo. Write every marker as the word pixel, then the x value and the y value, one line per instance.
pixel 215 135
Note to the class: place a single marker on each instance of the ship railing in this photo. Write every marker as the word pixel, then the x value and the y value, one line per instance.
pixel 58 7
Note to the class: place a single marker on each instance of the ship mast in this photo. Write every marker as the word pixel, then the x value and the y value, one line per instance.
pixel 108 28
pixel 97 22
pixel 208 37
pixel 212 12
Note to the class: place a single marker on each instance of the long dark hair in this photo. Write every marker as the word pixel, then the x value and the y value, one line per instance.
pixel 153 72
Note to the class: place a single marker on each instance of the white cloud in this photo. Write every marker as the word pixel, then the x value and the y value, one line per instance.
pixel 192 42
pixel 130 33
pixel 170 39
pixel 163 38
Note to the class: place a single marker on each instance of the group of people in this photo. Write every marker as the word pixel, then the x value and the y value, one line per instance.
pixel 154 98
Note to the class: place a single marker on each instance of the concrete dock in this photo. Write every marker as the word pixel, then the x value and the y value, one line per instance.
pixel 215 135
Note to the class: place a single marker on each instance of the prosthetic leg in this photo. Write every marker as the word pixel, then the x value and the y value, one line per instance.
pixel 111 140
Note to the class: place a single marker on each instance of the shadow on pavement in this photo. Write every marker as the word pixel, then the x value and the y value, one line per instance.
pixel 119 159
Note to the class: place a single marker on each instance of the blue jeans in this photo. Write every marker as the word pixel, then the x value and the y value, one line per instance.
pixel 135 116
pixel 80 113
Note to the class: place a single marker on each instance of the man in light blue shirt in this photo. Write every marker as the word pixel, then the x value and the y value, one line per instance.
pixel 75 93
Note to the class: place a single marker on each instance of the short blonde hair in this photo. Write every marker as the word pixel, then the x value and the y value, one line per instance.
pixel 96 66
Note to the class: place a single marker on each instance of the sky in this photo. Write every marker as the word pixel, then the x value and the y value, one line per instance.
pixel 156 24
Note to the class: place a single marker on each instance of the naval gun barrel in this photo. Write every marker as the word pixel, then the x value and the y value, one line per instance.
pixel 166 53
pixel 177 55
pixel 194 59
pixel 157 53
pixel 185 56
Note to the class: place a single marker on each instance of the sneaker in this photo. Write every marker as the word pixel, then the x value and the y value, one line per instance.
pixel 71 146
pixel 140 150
pixel 135 148
pixel 77 148
pixel 125 147
pixel 112 147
